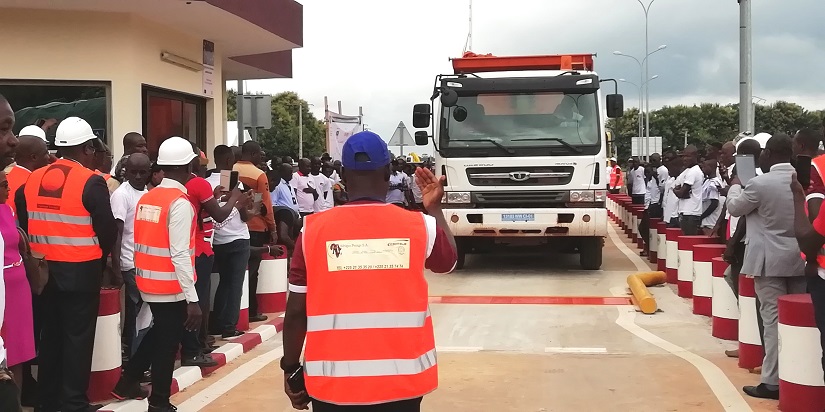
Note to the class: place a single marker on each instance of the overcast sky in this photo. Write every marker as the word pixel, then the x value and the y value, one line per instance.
pixel 383 55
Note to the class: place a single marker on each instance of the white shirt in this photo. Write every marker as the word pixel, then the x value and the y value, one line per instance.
pixel 396 195
pixel 416 191
pixel 692 206
pixel 299 182
pixel 324 185
pixel 663 176
pixel 124 203
pixel 638 176
pixel 710 191
pixel 335 178
pixel 652 195
pixel 181 217
pixel 233 227
pixel 670 207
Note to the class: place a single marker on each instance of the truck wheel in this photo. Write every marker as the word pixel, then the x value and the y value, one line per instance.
pixel 461 253
pixel 590 253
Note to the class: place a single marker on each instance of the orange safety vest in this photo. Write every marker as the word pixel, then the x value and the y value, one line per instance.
pixel 616 176
pixel 153 258
pixel 369 331
pixel 17 177
pixel 819 164
pixel 105 176
pixel 60 227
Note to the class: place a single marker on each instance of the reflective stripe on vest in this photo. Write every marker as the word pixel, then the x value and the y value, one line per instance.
pixel 60 227
pixel 153 258
pixel 369 330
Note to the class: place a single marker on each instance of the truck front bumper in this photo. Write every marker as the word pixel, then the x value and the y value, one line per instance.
pixel 527 222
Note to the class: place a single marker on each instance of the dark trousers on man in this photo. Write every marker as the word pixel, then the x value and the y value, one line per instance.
pixel 411 405
pixel 230 262
pixel 130 305
pixel 194 343
pixel 68 337
pixel 816 286
pixel 638 199
pixel 654 211
pixel 690 224
pixel 158 350
pixel 9 399
pixel 256 239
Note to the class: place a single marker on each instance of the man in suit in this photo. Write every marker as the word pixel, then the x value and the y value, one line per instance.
pixel 772 254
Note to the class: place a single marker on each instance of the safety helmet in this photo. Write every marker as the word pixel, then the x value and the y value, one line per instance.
pixel 73 131
pixel 175 151
pixel 33 131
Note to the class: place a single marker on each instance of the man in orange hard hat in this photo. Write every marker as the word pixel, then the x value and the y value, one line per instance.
pixel 358 295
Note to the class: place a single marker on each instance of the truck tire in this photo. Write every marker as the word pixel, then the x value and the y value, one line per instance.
pixel 590 253
pixel 461 255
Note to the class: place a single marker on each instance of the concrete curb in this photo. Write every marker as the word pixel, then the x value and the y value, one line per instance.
pixel 186 376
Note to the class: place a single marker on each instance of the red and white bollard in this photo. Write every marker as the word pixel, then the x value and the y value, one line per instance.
pixel 703 256
pixel 106 359
pixel 272 283
pixel 652 257
pixel 801 381
pixel 725 307
pixel 751 352
pixel 685 271
pixel 672 258
pixel 661 253
pixel 243 317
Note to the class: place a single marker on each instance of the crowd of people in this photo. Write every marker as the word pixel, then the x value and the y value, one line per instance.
pixel 770 223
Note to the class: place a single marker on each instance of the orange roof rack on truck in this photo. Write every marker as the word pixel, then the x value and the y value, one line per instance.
pixel 478 63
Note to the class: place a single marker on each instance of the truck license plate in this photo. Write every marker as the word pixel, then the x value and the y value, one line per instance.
pixel 518 217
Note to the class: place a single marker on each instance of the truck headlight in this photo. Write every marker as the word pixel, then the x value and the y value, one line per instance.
pixel 582 196
pixel 601 195
pixel 457 197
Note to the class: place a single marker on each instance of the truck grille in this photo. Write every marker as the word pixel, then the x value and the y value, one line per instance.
pixel 541 199
pixel 520 176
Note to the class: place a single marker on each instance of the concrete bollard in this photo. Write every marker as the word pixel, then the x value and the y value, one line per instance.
pixel 703 277
pixel 801 381
pixel 652 257
pixel 685 268
pixel 106 359
pixel 634 223
pixel 640 216
pixel 725 307
pixel 672 258
pixel 272 283
pixel 661 253
pixel 243 318
pixel 751 352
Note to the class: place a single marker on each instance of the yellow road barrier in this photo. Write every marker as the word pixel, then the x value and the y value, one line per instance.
pixel 638 283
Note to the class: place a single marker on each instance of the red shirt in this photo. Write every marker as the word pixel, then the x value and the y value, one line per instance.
pixel 200 192
pixel 817 185
pixel 442 259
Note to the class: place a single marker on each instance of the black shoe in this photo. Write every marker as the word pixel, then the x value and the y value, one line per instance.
pixel 167 408
pixel 93 408
pixel 231 334
pixel 126 389
pixel 147 377
pixel 201 360
pixel 761 392
pixel 258 318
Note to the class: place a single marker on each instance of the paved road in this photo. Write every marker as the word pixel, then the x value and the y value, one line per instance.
pixel 538 357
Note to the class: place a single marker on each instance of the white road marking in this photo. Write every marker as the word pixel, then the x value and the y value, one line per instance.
pixel 575 350
pixel 231 380
pixel 727 394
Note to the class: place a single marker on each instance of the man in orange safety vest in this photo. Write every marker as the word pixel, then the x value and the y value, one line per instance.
pixel 358 295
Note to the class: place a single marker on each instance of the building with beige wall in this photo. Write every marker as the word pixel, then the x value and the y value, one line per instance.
pixel 143 66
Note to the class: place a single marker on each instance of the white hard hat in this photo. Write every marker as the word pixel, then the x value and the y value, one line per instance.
pixel 762 138
pixel 73 131
pixel 175 151
pixel 33 131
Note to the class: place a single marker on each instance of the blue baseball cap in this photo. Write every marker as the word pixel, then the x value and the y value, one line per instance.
pixel 365 151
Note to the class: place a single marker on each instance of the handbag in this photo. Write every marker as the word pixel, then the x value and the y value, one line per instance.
pixel 37 269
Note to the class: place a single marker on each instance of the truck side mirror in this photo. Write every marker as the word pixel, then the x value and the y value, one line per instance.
pixel 615 106
pixel 422 138
pixel 449 97
pixel 421 116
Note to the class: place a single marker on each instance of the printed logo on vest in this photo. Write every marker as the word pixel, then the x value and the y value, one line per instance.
pixel 149 213
pixel 368 254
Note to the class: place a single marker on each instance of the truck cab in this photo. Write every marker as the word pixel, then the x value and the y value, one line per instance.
pixel 521 141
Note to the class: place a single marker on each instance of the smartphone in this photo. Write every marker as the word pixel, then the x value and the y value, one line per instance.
pixel 229 179
pixel 745 168
pixel 803 170
pixel 296 381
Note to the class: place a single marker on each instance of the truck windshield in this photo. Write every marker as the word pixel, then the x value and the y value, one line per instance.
pixel 521 121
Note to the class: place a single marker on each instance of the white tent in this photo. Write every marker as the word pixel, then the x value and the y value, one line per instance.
pixel 232 134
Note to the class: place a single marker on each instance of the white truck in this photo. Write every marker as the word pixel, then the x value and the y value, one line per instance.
pixel 521 141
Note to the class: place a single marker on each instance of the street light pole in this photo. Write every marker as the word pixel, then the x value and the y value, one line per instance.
pixel 640 121
pixel 647 72
pixel 746 109
pixel 642 76
pixel 300 131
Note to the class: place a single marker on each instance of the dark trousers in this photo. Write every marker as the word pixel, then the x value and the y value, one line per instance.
pixel 68 337
pixel 638 199
pixel 411 405
pixel 816 286
pixel 130 308
pixel 158 350
pixel 193 343
pixel 9 399
pixel 690 224
pixel 256 239
pixel 654 211
pixel 230 261
pixel 673 223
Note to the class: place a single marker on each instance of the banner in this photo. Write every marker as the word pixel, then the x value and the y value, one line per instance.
pixel 339 129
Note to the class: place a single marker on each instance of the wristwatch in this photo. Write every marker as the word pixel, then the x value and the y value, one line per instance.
pixel 288 369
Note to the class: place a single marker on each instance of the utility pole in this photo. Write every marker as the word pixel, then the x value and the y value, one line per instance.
pixel 746 112
pixel 300 130
pixel 239 110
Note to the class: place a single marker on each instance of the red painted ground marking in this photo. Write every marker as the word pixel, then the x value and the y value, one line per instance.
pixel 531 300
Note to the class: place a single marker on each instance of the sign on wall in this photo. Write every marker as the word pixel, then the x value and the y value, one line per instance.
pixel 208 68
